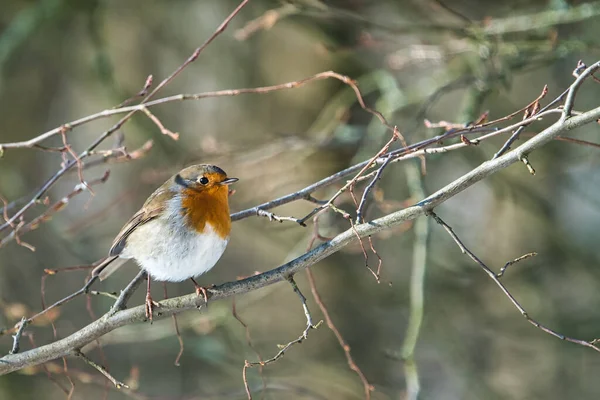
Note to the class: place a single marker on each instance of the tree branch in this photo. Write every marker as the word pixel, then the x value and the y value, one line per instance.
pixel 110 322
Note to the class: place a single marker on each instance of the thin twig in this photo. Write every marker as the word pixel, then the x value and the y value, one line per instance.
pixel 274 217
pixel 51 210
pixel 101 369
pixel 532 109
pixel 343 344
pixel 516 260
pixel 574 88
pixel 68 375
pixel 163 130
pixel 494 277
pixel 126 293
pixel 283 348
pixel 363 201
pixel 251 345
pixel 304 335
pixel 220 29
pixel 198 96
pixel 69 149
pixel 110 295
pixel 141 93
pixel 176 326
pixel 64 300
pixel 16 347
pixel 51 378
pixel 350 184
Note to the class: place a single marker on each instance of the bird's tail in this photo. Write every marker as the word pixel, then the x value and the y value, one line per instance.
pixel 108 266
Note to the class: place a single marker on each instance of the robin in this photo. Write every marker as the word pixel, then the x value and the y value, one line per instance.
pixel 180 232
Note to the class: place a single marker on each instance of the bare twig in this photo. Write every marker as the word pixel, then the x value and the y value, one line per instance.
pixel 532 109
pixel 363 201
pixel 274 217
pixel 68 375
pixel 350 184
pixel 283 348
pixel 525 161
pixel 251 345
pixel 266 21
pixel 163 130
pixel 516 260
pixel 303 336
pixel 176 326
pixel 51 210
pixel 220 29
pixel 141 93
pixel 16 228
pixel 126 293
pixel 62 301
pixel 343 344
pixel 110 295
pixel 495 278
pixel 316 235
pixel 570 100
pixel 199 96
pixel 245 379
pixel 45 368
pixel 17 336
pixel 101 369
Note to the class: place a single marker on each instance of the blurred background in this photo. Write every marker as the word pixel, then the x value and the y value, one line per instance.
pixel 413 60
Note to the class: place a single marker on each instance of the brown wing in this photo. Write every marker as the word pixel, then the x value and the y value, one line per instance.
pixel 152 208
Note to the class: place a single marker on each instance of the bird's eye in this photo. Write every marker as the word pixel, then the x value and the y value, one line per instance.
pixel 203 180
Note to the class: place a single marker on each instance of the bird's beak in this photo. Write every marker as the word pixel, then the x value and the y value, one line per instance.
pixel 229 181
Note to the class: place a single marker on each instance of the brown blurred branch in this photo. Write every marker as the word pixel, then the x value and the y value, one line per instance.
pixel 118 318
pixel 368 388
pixel 143 107
pixel 249 343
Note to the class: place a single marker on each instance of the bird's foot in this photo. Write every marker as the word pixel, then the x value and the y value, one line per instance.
pixel 201 291
pixel 150 304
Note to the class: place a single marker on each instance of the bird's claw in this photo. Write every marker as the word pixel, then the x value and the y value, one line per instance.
pixel 150 304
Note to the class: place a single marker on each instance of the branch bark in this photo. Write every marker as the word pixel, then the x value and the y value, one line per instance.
pixel 110 322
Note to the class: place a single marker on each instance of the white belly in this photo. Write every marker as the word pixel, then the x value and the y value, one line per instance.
pixel 176 257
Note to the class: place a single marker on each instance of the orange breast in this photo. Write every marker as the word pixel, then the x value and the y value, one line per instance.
pixel 208 206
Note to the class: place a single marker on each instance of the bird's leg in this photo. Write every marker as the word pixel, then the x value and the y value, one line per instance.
pixel 201 291
pixel 150 304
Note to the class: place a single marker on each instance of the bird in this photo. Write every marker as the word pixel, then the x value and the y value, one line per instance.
pixel 180 232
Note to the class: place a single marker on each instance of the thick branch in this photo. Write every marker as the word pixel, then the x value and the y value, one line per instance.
pixel 108 323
